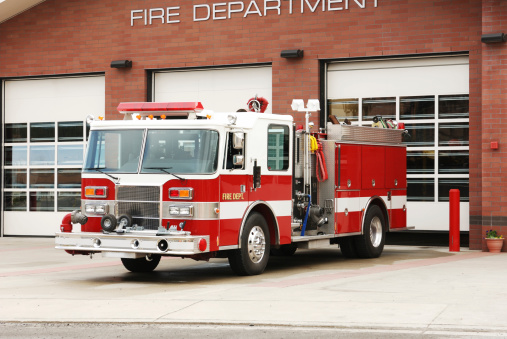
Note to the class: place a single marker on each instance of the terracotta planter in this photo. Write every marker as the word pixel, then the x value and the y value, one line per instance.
pixel 494 245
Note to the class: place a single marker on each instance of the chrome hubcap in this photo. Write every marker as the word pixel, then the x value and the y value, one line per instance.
pixel 375 231
pixel 256 244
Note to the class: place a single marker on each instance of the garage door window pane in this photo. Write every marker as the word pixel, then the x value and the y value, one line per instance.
pixel 453 106
pixel 68 201
pixel 421 189
pixel 14 201
pixel 42 178
pixel 70 131
pixel 344 109
pixel 453 134
pixel 42 132
pixel 386 107
pixel 42 155
pixel 15 156
pixel 445 185
pixel 417 107
pixel 69 178
pixel 42 201
pixel 420 135
pixel 453 162
pixel 421 162
pixel 15 132
pixel 70 155
pixel 15 178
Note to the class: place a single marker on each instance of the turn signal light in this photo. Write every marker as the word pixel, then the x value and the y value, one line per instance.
pixel 95 192
pixel 181 193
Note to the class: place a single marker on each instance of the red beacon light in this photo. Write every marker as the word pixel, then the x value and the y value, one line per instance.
pixel 150 110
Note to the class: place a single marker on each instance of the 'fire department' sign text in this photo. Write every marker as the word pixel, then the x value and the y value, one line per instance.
pixel 244 9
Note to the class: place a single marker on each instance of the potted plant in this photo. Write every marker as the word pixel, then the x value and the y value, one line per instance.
pixel 494 241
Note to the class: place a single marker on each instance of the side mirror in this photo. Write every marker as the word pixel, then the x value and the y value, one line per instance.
pixel 238 160
pixel 238 140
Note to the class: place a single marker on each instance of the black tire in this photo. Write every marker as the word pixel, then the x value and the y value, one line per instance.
pixel 141 265
pixel 284 250
pixel 125 220
pixel 108 223
pixel 371 243
pixel 253 256
pixel 348 247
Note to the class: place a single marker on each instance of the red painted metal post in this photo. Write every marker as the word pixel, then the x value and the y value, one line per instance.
pixel 454 220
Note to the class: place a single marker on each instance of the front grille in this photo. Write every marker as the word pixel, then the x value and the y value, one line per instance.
pixel 142 203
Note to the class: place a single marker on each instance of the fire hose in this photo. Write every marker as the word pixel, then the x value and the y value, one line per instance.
pixel 320 168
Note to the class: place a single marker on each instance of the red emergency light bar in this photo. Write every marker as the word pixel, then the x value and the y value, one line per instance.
pixel 151 107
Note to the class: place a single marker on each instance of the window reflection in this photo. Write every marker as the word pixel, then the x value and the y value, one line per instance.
pixel 344 109
pixel 69 178
pixel 70 155
pixel 15 132
pixel 42 178
pixel 422 107
pixel 42 155
pixel 386 107
pixel 67 201
pixel 420 162
pixel 453 106
pixel 15 155
pixel 422 189
pixel 15 178
pixel 14 201
pixel 420 135
pixel 42 132
pixel 42 201
pixel 445 185
pixel 453 134
pixel 70 131
pixel 453 162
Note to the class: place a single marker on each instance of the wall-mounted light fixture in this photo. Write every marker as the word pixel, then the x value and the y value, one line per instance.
pixel 292 53
pixel 121 64
pixel 493 38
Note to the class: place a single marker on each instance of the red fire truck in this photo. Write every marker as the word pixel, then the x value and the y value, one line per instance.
pixel 172 179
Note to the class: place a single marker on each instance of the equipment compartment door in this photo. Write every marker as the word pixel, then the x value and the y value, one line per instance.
pixel 373 167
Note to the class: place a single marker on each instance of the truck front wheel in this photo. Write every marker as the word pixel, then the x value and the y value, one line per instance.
pixel 141 265
pixel 253 256
pixel 371 243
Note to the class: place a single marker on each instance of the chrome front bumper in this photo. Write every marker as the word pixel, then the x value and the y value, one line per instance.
pixel 141 242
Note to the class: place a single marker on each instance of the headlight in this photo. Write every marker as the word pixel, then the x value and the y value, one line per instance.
pixel 96 209
pixel 186 211
pixel 101 209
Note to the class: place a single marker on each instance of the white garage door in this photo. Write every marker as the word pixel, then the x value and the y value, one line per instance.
pixel 219 89
pixel 431 96
pixel 45 131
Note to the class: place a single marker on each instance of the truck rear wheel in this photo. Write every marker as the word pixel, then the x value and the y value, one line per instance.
pixel 371 243
pixel 141 265
pixel 253 256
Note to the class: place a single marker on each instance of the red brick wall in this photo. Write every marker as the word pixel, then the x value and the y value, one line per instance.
pixel 494 122
pixel 71 36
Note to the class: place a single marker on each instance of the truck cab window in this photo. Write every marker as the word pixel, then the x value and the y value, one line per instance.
pixel 278 147
pixel 234 155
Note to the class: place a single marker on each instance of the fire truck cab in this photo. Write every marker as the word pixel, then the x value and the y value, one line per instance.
pixel 172 179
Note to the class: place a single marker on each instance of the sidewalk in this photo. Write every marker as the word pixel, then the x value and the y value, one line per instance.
pixel 409 287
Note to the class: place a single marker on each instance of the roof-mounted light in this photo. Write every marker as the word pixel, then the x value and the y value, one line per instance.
pixel 159 109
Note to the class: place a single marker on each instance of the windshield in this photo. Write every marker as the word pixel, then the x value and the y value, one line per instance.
pixel 181 151
pixel 114 151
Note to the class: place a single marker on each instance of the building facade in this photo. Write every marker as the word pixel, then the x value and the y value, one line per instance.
pixel 419 62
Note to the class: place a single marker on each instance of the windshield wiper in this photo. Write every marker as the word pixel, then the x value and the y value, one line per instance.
pixel 100 170
pixel 165 169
